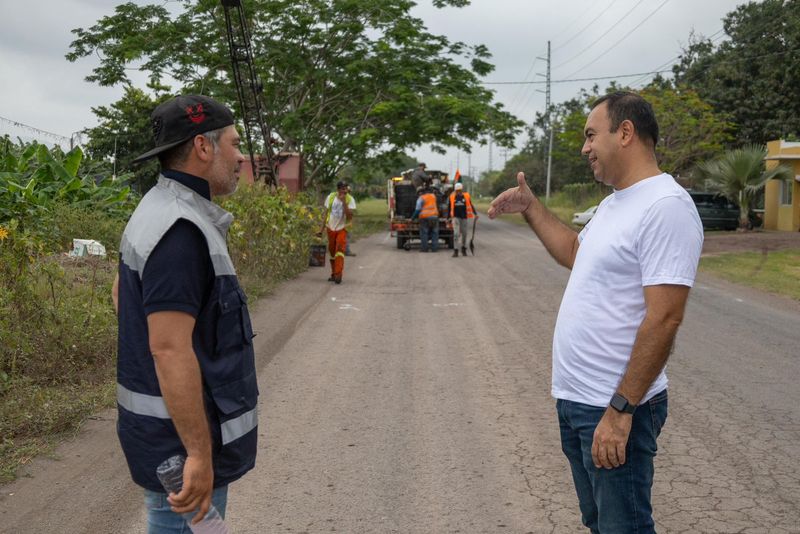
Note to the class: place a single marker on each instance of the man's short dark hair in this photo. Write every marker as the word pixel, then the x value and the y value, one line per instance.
pixel 624 105
pixel 175 157
pixel 341 185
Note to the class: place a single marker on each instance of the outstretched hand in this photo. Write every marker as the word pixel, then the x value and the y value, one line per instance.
pixel 515 200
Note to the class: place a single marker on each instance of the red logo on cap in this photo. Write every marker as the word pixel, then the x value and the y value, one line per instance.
pixel 195 113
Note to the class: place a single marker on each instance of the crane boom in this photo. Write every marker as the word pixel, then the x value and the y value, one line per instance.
pixel 249 90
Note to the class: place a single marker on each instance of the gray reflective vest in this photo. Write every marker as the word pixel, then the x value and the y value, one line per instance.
pixel 222 341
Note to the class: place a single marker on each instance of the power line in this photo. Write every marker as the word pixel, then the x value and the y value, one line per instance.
pixel 609 30
pixel 578 79
pixel 622 38
pixel 580 32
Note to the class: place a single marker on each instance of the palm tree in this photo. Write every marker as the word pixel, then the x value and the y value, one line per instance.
pixel 739 174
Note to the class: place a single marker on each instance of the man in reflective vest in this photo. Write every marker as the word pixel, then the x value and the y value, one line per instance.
pixel 428 213
pixel 461 210
pixel 339 209
pixel 186 380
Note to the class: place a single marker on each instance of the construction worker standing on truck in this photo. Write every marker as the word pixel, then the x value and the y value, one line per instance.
pixel 339 208
pixel 461 211
pixel 428 213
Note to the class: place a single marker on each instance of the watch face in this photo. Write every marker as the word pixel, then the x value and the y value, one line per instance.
pixel 619 403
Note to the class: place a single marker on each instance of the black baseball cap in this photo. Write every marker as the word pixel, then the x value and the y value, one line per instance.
pixel 341 184
pixel 181 118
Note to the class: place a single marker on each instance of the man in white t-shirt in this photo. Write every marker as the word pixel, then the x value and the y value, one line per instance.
pixel 632 268
pixel 339 207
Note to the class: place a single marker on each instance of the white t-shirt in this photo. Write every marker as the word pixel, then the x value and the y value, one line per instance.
pixel 336 217
pixel 646 234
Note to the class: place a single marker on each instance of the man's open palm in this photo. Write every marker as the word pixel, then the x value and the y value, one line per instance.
pixel 514 200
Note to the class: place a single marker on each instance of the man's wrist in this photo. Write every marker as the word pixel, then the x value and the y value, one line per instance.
pixel 621 404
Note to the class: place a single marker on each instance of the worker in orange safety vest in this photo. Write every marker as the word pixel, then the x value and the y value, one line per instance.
pixel 461 210
pixel 428 213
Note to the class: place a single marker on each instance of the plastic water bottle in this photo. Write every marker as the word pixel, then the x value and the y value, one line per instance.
pixel 170 473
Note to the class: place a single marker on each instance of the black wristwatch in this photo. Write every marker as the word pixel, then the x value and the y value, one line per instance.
pixel 621 404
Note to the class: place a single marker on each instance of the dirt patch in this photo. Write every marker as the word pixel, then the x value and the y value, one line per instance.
pixel 758 241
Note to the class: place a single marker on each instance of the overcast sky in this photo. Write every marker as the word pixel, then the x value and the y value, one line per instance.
pixel 589 39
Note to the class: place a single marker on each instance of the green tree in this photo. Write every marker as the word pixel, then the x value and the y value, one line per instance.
pixel 689 129
pixel 125 132
pixel 739 175
pixel 344 80
pixel 753 76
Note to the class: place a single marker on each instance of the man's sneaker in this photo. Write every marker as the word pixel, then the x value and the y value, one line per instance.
pixel 455 253
pixel 337 279
pixel 332 279
pixel 349 253
pixel 463 251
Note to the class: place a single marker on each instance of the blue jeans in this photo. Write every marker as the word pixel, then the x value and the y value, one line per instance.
pixel 613 501
pixel 429 226
pixel 162 520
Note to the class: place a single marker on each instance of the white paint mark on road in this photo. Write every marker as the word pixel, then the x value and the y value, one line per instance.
pixel 348 307
pixel 448 304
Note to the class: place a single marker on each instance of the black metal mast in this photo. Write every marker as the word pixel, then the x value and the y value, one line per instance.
pixel 249 89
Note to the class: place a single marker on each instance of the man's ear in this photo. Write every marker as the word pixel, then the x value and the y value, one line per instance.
pixel 203 148
pixel 628 131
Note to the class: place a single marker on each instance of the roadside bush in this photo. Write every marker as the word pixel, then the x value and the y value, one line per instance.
pixel 580 196
pixel 270 237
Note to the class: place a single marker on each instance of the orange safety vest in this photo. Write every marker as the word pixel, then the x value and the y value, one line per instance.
pixel 429 208
pixel 467 199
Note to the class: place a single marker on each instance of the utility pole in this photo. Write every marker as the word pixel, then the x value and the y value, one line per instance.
pixel 549 119
pixel 490 155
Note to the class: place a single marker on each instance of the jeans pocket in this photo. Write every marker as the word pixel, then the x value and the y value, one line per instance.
pixel 658 411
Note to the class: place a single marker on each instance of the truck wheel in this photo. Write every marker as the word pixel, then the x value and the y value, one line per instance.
pixel 451 242
pixel 407 245
pixel 401 241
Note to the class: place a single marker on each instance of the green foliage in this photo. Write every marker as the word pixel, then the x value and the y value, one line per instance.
pixel 753 76
pixel 125 132
pixel 739 175
pixel 580 196
pixel 344 80
pixel 690 129
pixel 35 178
pixel 270 237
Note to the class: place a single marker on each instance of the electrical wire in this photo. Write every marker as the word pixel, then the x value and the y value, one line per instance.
pixel 580 32
pixel 609 30
pixel 609 49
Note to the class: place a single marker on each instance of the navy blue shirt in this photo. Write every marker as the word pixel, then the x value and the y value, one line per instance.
pixel 178 275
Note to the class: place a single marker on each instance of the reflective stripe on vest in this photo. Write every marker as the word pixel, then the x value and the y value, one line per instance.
pixel 153 406
pixel 239 426
pixel 429 208
pixel 141 404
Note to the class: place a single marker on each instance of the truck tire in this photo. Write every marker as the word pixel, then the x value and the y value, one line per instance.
pixel 451 242
pixel 401 241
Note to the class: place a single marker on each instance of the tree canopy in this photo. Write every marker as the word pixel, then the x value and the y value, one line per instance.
pixel 344 80
pixel 753 76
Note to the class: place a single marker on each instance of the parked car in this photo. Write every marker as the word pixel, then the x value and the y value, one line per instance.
pixel 582 218
pixel 716 212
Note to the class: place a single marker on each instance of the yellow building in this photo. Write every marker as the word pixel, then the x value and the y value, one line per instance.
pixel 782 197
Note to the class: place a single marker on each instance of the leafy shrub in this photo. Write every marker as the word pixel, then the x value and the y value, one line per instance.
pixel 270 237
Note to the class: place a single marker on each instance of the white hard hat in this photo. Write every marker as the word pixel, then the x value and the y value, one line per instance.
pixel 459 185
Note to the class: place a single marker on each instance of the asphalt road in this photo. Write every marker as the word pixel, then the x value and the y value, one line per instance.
pixel 414 398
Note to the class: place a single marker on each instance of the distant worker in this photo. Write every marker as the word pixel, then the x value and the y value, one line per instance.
pixel 347 251
pixel 461 210
pixel 428 213
pixel 420 177
pixel 339 208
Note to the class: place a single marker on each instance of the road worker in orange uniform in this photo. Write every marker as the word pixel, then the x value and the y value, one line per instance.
pixel 461 211
pixel 339 208
pixel 428 213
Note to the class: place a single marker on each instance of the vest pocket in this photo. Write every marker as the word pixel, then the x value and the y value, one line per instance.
pixel 234 329
pixel 236 403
